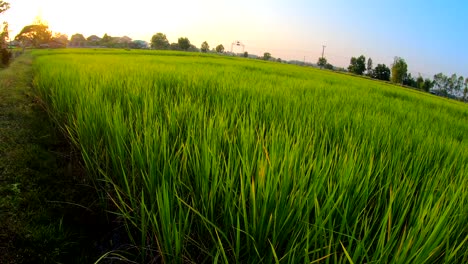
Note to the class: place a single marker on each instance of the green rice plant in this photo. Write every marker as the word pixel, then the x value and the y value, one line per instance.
pixel 216 159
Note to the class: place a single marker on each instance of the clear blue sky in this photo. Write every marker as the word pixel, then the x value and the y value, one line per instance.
pixel 431 36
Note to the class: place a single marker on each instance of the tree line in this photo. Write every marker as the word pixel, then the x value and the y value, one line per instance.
pixel 453 86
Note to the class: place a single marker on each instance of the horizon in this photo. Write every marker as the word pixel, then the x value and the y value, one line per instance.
pixel 428 35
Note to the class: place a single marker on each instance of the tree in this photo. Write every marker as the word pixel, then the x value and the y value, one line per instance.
pixel 205 47
pixel 34 35
pixel 4 6
pixel 174 46
pixel 357 65
pixel 328 66
pixel 322 62
pixel 408 80
pixel 60 40
pixel 106 40
pixel 465 91
pixel 78 40
pixel 4 36
pixel 369 67
pixel 139 44
pixel 159 41
pixel 5 55
pixel 267 56
pixel 381 72
pixel 184 43
pixel 441 83
pixel 220 48
pixel 420 82
pixel 459 86
pixel 399 70
pixel 246 54
pixel 428 84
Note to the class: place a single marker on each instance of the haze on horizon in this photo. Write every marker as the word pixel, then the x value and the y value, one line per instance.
pixel 429 35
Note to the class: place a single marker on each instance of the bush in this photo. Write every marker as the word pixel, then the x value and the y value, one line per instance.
pixel 5 56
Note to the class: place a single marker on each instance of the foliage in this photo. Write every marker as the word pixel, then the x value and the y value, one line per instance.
pixel 453 86
pixel 267 56
pixel 4 6
pixel 106 40
pixel 34 35
pixel 159 41
pixel 78 40
pixel 139 44
pixel 246 54
pixel 408 80
pixel 428 84
pixel 322 62
pixel 369 68
pixel 220 48
pixel 205 47
pixel 381 72
pixel 184 43
pixel 420 82
pixel 174 46
pixel 5 54
pixel 329 66
pixel 465 90
pixel 357 65
pixel 210 167
pixel 399 70
pixel 60 39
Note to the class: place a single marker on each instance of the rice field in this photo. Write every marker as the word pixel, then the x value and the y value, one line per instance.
pixel 213 159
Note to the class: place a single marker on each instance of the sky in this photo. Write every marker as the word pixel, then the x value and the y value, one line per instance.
pixel 430 35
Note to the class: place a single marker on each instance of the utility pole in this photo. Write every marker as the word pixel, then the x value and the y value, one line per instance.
pixel 323 49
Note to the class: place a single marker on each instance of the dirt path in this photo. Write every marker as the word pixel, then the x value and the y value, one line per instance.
pixel 48 212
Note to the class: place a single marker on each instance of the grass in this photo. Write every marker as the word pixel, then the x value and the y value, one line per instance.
pixel 216 159
pixel 48 212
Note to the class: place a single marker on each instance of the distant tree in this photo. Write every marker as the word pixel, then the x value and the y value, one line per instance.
pixel 34 35
pixel 369 67
pixel 139 44
pixel 357 65
pixel 441 83
pixel 220 48
pixel 159 41
pixel 193 48
pixel 465 91
pixel 78 40
pixel 267 56
pixel 60 40
pixel 460 84
pixel 427 85
pixel 184 43
pixel 381 72
pixel 322 62
pixel 174 46
pixel 278 60
pixel 106 40
pixel 205 47
pixel 420 82
pixel 399 70
pixel 246 54
pixel 328 66
pixel 408 80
